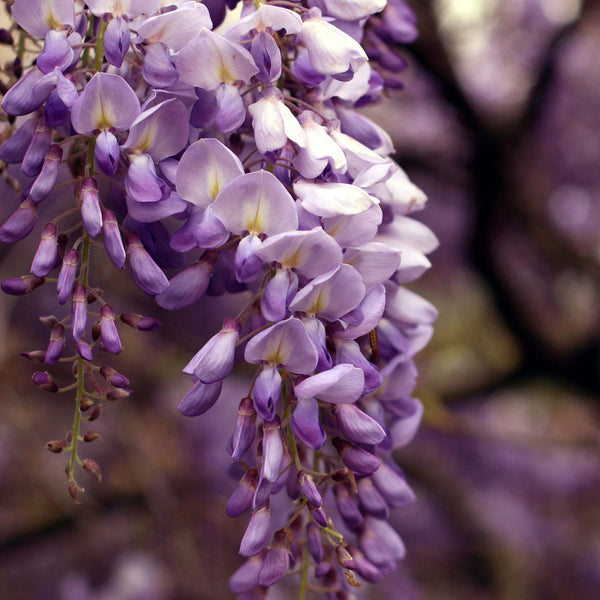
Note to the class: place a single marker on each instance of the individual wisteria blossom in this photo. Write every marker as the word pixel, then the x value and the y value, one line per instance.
pixel 212 162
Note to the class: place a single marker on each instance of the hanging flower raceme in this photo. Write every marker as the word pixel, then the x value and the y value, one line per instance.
pixel 214 163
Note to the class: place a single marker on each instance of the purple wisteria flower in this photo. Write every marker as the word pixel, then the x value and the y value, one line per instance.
pixel 215 162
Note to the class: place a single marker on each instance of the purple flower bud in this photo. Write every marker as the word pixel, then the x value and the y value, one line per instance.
pixel 204 110
pixel 318 514
pixel 371 501
pixel 375 549
pixel 365 568
pixel 107 153
pixel 214 361
pixel 113 243
pixel 66 277
pixel 187 287
pixel 14 148
pixel 55 110
pixel 258 533
pixel 108 330
pixel 272 451
pixel 347 507
pixel 116 41
pixel 20 223
pixel 357 459
pixel 357 426
pixel 36 152
pixel 78 312
pixel 19 286
pixel 6 37
pixel 263 490
pixel 241 498
pixel 140 322
pixel 34 355
pixel 84 350
pixel 305 423
pixel 277 559
pixel 313 538
pixel 386 535
pixel 246 577
pixel 90 207
pixel 45 381
pixel 267 56
pixel 309 489
pixel 145 273
pixel 200 398
pixel 25 96
pixel 392 486
pixel 114 377
pixel 56 345
pixel 245 429
pixel 47 253
pixel 267 389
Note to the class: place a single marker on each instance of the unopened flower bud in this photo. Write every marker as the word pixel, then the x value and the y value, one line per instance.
pixel 114 377
pixel 309 489
pixel 86 403
pixel 90 436
pixel 36 152
pixel 258 533
pixel 117 394
pixel 92 467
pixel 20 223
pixel 74 489
pixel 46 180
pixel 108 330
pixel 47 253
pixel 313 538
pixel 45 381
pixel 78 312
pixel 241 498
pixel 277 559
pixel 113 242
pixel 139 322
pixel 95 412
pixel 145 273
pixel 84 350
pixel 56 446
pixel 34 355
pixel 48 320
pixel 245 429
pixel 56 345
pixel 359 460
pixel 66 277
pixel 90 207
pixel 19 286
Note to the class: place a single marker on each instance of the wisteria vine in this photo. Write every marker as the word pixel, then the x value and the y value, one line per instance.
pixel 236 157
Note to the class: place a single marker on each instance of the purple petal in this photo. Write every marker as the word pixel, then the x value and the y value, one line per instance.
pixel 107 153
pixel 78 312
pixel 231 111
pixel 116 41
pixel 20 223
pixel 187 287
pixel 57 52
pixel 342 384
pixel 305 423
pixel 272 451
pixel 258 533
pixel 66 276
pixel 245 430
pixel 14 148
pixel 246 577
pixel 113 242
pixel 200 398
pixel 241 498
pixel 47 253
pixel 158 70
pixel 145 273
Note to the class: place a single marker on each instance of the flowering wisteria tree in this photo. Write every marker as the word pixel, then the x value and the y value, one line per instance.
pixel 219 150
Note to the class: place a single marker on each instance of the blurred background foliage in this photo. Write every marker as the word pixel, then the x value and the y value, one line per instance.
pixel 499 123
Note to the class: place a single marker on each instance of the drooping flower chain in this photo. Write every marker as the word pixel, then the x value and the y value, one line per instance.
pixel 250 138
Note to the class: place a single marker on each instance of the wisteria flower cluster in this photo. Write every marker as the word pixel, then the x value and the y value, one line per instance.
pixel 236 159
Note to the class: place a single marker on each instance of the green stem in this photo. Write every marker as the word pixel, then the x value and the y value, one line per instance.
pixel 77 419
pixel 304 574
pixel 100 47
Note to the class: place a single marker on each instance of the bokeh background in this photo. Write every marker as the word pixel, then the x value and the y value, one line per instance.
pixel 499 123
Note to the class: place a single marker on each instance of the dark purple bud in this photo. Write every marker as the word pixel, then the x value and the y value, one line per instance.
pixel 315 546
pixel 158 70
pixel 113 242
pixel 267 57
pixel 200 398
pixel 344 558
pixel 371 501
pixel 45 381
pixel 91 466
pixel 94 413
pixel 305 423
pixel 107 153
pixel 116 41
pixel 145 273
pixel 90 207
pixel 187 287
pixel 90 436
pixel 7 39
pixel 140 322
pixel 245 429
pixel 277 559
pixel 258 533
pixel 267 389
pixel 241 498
pixel 55 110
pixel 347 507
pixel 318 514
pixel 56 446
pixel 56 345
pixel 14 148
pixel 114 377
pixel 66 277
pixel 357 459
pixel 217 12
pixel 78 312
pixel 366 569
pixel 358 426
pixel 19 286
pixel 108 330
pixel 84 350
pixel 46 180
pixel 393 487
pixel 47 253
pixel 272 450
pixel 36 152
pixel 309 489
pixel 246 577
pixel 20 223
